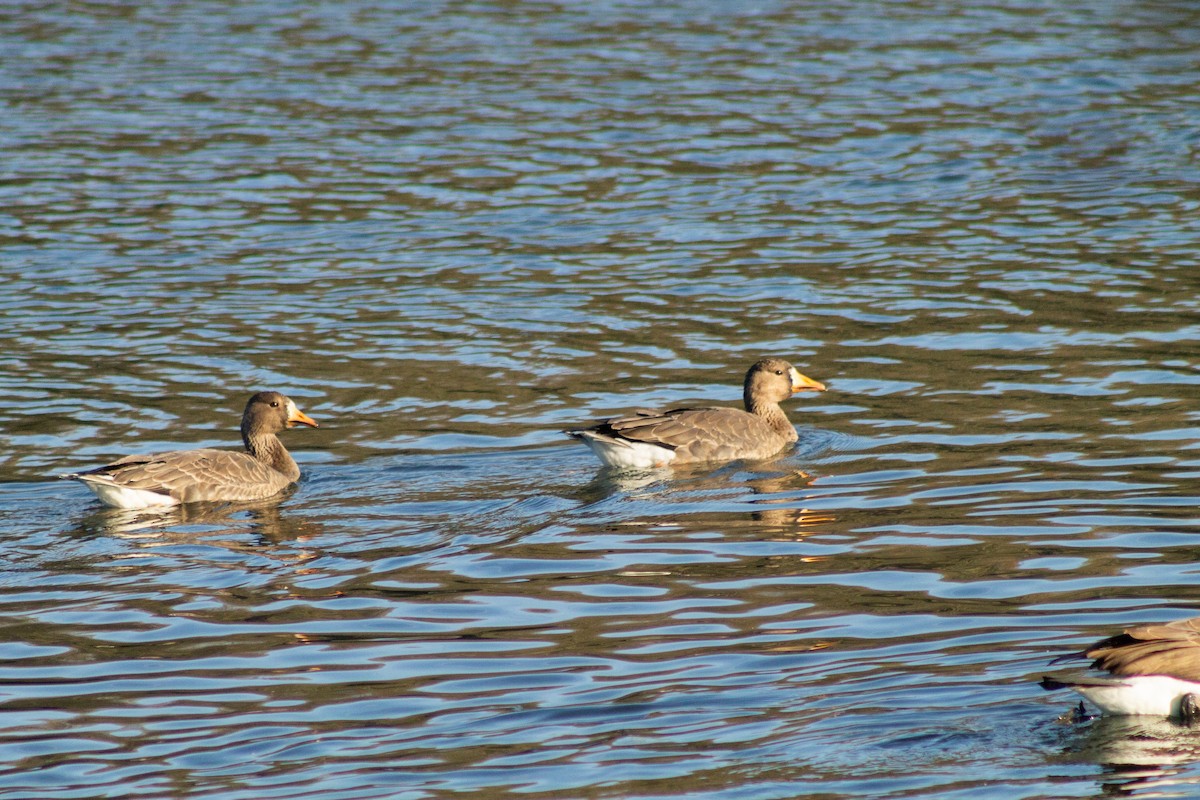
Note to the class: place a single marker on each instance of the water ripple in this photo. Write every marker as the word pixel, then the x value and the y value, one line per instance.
pixel 452 232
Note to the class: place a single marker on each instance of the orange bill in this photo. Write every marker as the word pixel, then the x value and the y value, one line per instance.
pixel 803 383
pixel 295 416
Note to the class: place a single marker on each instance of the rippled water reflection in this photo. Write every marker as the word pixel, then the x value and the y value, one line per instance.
pixel 450 231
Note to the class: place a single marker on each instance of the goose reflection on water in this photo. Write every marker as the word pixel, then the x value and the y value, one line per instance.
pixel 238 526
pixel 1138 754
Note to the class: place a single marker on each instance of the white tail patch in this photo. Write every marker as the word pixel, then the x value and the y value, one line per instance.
pixel 625 454
pixel 117 496
pixel 1150 695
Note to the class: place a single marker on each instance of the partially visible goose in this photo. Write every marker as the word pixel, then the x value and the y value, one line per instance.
pixel 646 439
pixel 1153 670
pixel 186 476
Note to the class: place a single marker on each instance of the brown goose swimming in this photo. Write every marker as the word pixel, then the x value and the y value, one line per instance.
pixel 1152 670
pixel 207 474
pixel 646 439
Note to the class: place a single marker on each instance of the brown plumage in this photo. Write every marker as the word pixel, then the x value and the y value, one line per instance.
pixel 1170 648
pixel 647 439
pixel 1151 670
pixel 207 474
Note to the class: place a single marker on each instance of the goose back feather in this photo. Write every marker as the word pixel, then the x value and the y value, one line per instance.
pixel 650 438
pixel 207 474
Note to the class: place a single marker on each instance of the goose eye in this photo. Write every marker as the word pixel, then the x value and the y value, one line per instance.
pixel 778 372
pixel 274 404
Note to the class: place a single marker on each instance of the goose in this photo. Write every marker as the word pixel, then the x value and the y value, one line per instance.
pixel 647 439
pixel 1153 670
pixel 207 474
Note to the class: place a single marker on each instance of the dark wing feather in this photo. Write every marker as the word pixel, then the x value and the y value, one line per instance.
pixel 1159 649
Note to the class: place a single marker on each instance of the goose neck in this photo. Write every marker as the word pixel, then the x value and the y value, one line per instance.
pixel 773 415
pixel 267 449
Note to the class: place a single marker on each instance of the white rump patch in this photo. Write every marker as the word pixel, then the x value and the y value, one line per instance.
pixel 1150 695
pixel 117 496
pixel 624 454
